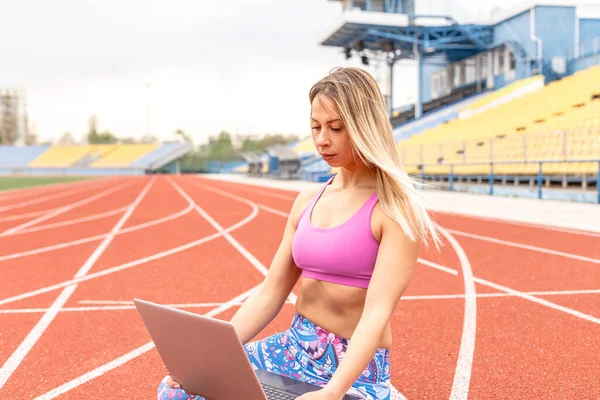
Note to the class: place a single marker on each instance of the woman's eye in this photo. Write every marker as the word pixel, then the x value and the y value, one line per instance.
pixel 315 127
pixel 336 129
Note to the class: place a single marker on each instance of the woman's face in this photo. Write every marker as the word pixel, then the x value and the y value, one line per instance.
pixel 329 133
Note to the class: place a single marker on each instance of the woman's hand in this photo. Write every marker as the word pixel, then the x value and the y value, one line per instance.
pixel 175 385
pixel 322 394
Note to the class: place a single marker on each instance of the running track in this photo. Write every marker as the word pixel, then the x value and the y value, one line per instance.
pixel 502 311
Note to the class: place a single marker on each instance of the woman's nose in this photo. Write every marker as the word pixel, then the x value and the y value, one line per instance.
pixel 322 139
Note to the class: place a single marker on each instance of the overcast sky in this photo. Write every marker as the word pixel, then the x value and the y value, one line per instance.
pixel 244 66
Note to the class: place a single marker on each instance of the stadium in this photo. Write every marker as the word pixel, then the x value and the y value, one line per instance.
pixel 505 130
pixel 536 87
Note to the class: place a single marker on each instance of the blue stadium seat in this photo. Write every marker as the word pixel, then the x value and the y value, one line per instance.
pixel 19 157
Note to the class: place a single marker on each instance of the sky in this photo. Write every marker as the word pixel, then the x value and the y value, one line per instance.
pixel 244 66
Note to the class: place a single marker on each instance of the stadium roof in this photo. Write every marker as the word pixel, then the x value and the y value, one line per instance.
pixel 376 31
pixel 283 153
pixel 585 9
pixel 249 157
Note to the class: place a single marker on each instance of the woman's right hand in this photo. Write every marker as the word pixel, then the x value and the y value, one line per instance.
pixel 175 385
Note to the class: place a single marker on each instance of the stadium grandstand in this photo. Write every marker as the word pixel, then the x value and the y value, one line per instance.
pixel 97 159
pixel 508 102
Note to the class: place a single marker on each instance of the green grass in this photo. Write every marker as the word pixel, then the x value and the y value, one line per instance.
pixel 20 182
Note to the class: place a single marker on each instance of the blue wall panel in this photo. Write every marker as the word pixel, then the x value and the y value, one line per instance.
pixel 431 64
pixel 589 29
pixel 555 26
pixel 517 28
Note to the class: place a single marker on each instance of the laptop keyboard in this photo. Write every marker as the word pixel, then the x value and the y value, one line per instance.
pixel 277 394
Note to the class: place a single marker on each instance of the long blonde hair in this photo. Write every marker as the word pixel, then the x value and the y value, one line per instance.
pixel 363 111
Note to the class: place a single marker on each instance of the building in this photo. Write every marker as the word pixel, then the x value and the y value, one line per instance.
pixel 13 116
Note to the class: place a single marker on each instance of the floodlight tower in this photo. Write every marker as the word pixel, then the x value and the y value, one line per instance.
pixel 395 30
pixel 13 116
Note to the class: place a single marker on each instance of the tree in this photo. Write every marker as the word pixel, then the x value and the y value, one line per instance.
pixel 258 146
pixel 102 138
pixel 181 133
pixel 221 148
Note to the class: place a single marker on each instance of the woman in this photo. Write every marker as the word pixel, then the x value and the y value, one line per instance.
pixel 353 242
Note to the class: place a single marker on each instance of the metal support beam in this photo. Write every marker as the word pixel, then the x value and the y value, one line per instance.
pixel 394 36
pixel 472 34
pixel 425 40
pixel 418 51
pixel 459 38
pixel 390 63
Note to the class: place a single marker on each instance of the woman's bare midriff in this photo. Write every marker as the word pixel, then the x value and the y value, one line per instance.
pixel 336 308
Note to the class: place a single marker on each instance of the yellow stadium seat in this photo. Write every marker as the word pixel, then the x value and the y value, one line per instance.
pixel 61 156
pixel 124 154
pixel 242 169
pixel 559 122
pixel 500 93
pixel 305 146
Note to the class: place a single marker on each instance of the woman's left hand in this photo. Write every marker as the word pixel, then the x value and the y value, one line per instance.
pixel 318 395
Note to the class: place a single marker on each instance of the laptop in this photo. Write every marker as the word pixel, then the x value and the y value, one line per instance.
pixel 206 357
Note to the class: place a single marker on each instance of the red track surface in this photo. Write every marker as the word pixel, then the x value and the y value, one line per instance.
pixel 526 344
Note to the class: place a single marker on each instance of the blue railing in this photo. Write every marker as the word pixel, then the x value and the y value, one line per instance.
pixel 587 55
pixel 492 177
pixel 66 171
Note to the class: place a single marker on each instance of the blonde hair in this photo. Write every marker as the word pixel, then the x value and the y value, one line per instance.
pixel 363 111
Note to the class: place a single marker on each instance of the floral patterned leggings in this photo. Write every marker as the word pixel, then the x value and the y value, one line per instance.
pixel 308 353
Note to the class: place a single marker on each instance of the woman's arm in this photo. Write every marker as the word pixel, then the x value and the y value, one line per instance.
pixel 396 259
pixel 266 302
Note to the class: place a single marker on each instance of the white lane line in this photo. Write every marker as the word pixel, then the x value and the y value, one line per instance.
pixel 28 215
pixel 531 297
pixel 504 294
pixel 241 249
pixel 526 224
pixel 59 246
pixel 438 266
pixel 130 264
pixel 167 218
pixel 395 393
pixel 464 364
pixel 537 300
pixel 46 198
pixel 273 211
pixel 15 230
pixel 133 228
pixel 107 302
pixel 69 222
pixel 116 363
pixel 525 246
pixel 34 335
pixel 274 195
pixel 117 305
pixel 37 190
pixel 112 308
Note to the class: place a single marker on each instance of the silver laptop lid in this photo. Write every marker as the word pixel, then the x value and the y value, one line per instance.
pixel 203 354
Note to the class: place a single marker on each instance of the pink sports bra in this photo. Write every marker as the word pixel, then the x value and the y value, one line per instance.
pixel 343 254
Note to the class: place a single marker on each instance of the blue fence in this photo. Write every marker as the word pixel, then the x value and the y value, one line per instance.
pixel 492 177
